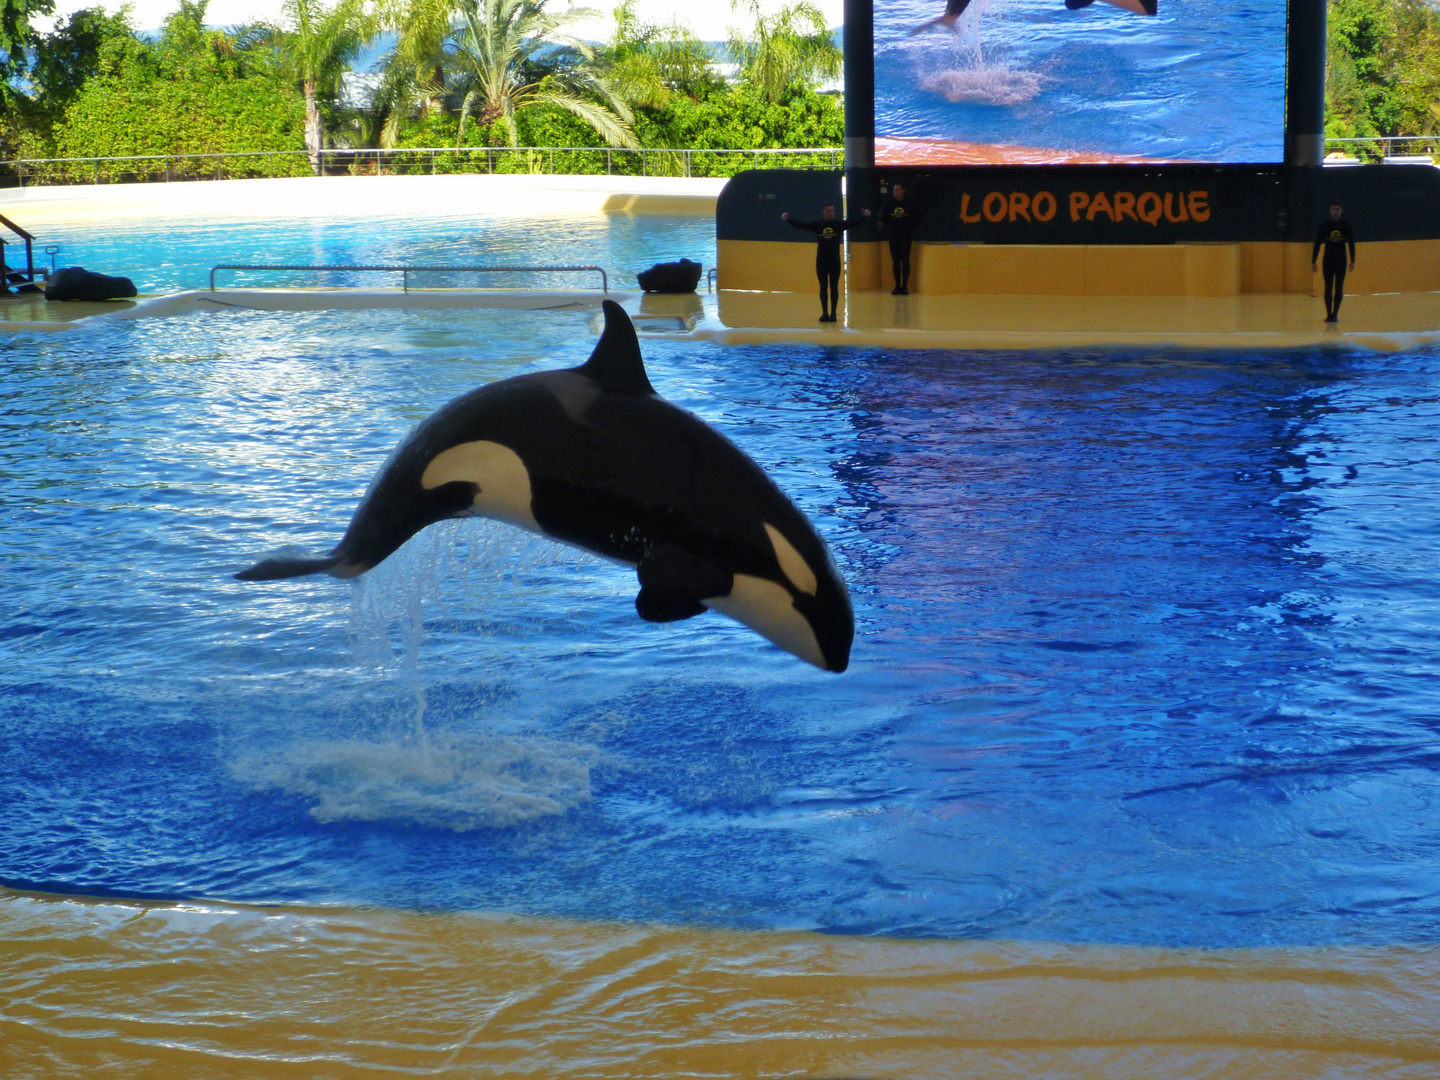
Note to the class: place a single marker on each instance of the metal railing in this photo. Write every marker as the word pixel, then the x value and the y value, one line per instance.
pixel 412 161
pixel 406 271
pixel 5 269
pixel 1378 147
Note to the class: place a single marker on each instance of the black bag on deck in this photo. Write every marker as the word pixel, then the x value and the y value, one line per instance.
pixel 77 283
pixel 672 277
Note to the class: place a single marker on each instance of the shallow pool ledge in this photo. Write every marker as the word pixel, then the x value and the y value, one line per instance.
pixel 136 989
pixel 468 195
pixel 1388 322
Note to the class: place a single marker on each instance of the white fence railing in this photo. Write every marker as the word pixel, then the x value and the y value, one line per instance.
pixel 402 161
pixel 1379 147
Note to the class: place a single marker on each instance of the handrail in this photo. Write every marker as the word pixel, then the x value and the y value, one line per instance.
pixel 1383 138
pixel 29 256
pixel 710 277
pixel 406 271
pixel 15 228
pixel 1386 143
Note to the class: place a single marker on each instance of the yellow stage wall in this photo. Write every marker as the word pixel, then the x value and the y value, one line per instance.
pixel 1085 270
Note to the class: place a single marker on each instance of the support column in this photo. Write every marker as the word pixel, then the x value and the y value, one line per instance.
pixel 860 83
pixel 1304 83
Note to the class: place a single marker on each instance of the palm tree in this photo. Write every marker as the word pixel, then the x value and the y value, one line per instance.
pixel 793 45
pixel 413 79
pixel 320 43
pixel 493 54
pixel 646 62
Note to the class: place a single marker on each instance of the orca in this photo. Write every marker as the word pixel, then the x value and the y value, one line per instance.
pixel 592 456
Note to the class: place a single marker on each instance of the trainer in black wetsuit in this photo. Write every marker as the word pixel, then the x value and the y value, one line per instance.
pixel 828 231
pixel 955 8
pixel 900 216
pixel 1336 236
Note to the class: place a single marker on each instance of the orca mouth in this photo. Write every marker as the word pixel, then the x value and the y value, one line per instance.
pixel 832 623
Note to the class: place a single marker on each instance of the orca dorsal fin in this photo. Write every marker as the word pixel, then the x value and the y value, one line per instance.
pixel 616 364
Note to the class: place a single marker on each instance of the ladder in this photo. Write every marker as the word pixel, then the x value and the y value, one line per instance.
pixel 25 279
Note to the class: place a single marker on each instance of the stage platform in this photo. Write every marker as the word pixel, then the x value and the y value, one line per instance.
pixel 1385 322
pixel 1388 322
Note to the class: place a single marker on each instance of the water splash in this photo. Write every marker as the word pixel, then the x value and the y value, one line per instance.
pixel 985 86
pixel 446 781
pixel 410 773
pixel 954 64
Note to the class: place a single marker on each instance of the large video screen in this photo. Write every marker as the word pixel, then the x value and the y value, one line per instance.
pixel 1048 81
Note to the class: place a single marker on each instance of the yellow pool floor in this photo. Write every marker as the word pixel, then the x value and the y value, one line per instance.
pixel 1386 322
pixel 121 989
pixel 32 308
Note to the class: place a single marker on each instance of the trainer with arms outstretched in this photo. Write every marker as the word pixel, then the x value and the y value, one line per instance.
pixel 829 231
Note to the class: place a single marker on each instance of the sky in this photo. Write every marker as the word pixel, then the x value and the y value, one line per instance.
pixel 710 19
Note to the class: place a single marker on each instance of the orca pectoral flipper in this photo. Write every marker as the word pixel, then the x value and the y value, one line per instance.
pixel 673 582
pixel 274 569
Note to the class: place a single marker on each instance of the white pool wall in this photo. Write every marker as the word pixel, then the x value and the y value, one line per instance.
pixel 510 195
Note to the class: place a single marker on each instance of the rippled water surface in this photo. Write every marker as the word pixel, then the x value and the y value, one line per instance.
pixel 1145 644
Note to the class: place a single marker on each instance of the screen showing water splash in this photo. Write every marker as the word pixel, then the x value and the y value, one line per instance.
pixel 1040 82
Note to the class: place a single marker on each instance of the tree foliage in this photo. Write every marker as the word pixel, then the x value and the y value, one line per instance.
pixel 463 73
pixel 1383 68
pixel 648 62
pixel 17 36
pixel 792 46
pixel 494 58
pixel 67 58
pixel 194 91
pixel 316 45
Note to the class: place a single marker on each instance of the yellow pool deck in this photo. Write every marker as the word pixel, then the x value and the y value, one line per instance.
pixel 122 989
pixel 1384 322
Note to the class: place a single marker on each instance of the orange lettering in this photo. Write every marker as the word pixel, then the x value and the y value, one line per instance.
pixel 1171 215
pixel 1019 205
pixel 1199 209
pixel 965 214
pixel 1148 207
pixel 1100 205
pixel 1078 200
pixel 1043 206
pixel 1124 205
pixel 996 200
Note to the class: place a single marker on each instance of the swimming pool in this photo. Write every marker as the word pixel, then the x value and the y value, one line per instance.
pixel 180 253
pixel 1144 648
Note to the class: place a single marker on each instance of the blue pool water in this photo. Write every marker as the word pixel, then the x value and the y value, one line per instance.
pixel 1145 643
pixel 181 256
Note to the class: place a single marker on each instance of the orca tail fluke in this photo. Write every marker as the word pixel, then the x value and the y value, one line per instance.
pixel 1139 7
pixel 947 21
pixel 274 569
